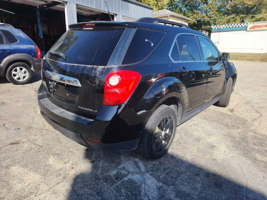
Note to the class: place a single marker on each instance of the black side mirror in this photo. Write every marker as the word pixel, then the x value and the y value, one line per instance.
pixel 225 57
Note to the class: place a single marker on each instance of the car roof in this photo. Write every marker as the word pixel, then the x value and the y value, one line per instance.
pixel 150 23
pixel 166 28
pixel 19 34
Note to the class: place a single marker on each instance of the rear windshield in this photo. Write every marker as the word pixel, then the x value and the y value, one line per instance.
pixel 87 47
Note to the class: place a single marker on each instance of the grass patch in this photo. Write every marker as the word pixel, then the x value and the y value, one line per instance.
pixel 249 56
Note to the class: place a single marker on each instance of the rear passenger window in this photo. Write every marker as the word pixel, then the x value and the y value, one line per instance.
pixel 142 44
pixel 188 48
pixel 209 52
pixel 9 36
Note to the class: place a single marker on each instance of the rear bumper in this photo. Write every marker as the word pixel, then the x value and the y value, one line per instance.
pixel 36 64
pixel 88 132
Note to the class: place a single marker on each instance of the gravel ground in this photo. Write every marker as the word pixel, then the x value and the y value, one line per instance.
pixel 219 154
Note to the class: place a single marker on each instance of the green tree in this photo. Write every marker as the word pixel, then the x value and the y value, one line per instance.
pixel 238 11
pixel 157 4
pixel 205 13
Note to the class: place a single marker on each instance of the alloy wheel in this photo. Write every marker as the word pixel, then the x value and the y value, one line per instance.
pixel 20 73
pixel 163 134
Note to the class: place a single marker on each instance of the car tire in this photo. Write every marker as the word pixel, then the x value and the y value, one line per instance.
pixel 159 132
pixel 224 101
pixel 19 73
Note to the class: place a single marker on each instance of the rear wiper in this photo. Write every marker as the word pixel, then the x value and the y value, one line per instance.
pixel 58 54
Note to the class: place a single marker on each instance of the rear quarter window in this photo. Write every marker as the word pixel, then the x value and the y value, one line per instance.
pixel 9 36
pixel 142 45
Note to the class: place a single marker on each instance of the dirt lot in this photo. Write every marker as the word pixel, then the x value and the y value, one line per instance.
pixel 219 154
pixel 249 56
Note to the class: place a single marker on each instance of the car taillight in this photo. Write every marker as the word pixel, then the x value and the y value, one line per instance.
pixel 38 52
pixel 88 26
pixel 119 86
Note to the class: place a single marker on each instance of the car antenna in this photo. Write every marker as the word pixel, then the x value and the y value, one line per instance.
pixel 108 11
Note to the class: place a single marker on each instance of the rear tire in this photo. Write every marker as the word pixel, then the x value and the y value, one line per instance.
pixel 19 73
pixel 224 101
pixel 159 132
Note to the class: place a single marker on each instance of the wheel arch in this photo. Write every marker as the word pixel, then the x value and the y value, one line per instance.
pixel 178 106
pixel 168 91
pixel 8 61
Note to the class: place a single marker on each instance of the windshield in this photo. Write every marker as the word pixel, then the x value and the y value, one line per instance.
pixel 86 47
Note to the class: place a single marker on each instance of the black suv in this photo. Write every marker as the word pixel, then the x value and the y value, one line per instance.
pixel 19 55
pixel 124 85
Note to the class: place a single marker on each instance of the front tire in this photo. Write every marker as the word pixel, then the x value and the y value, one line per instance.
pixel 159 132
pixel 19 73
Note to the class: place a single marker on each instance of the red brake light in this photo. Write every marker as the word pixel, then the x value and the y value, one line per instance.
pixel 38 52
pixel 119 86
pixel 88 26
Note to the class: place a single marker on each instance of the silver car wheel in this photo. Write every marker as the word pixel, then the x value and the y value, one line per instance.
pixel 20 73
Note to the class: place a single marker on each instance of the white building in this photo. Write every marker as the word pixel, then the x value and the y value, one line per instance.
pixel 241 38
pixel 171 16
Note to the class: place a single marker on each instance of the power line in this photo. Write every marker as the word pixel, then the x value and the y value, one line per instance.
pixel 7 11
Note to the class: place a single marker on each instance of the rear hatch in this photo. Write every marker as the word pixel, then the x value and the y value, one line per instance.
pixel 72 70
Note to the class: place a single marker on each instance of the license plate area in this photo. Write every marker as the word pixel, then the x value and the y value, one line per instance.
pixel 62 92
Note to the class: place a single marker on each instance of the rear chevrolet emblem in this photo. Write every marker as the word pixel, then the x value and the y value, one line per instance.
pixel 60 78
pixel 52 86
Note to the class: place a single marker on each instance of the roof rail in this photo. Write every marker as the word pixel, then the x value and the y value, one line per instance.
pixel 161 21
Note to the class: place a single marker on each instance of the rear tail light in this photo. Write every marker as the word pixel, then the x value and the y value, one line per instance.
pixel 119 86
pixel 38 52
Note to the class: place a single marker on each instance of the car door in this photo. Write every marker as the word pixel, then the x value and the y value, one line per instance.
pixel 216 72
pixel 4 47
pixel 186 61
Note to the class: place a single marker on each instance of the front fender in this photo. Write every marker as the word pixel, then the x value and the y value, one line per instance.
pixel 230 70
